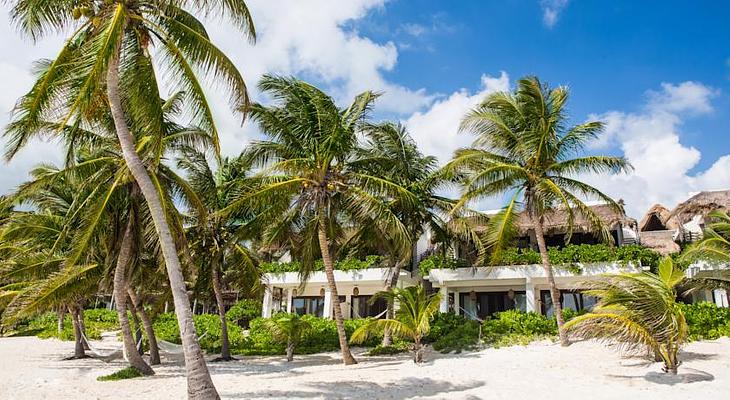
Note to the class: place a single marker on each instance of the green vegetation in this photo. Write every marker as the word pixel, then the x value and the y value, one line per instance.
pixel 451 333
pixel 244 311
pixel 412 318
pixel 126 373
pixel 287 329
pixel 348 264
pixel 639 312
pixel 565 257
pixel 395 348
pixel 706 321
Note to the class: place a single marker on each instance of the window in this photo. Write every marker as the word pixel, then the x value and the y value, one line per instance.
pixel 313 305
pixel 484 304
pixel 360 307
pixel 569 299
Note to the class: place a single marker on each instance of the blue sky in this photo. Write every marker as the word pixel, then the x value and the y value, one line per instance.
pixel 658 74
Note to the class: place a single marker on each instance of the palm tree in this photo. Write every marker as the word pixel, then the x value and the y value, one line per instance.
pixel 390 152
pixel 638 312
pixel 108 58
pixel 524 148
pixel 412 318
pixel 288 329
pixel 310 182
pixel 217 240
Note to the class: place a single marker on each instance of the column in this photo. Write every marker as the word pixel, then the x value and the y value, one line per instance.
pixel 457 301
pixel 721 298
pixel 327 303
pixel 444 306
pixel 266 307
pixel 289 297
pixel 346 307
pixel 530 295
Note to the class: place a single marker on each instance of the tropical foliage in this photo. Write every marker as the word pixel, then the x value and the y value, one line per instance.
pixel 287 329
pixel 639 313
pixel 412 318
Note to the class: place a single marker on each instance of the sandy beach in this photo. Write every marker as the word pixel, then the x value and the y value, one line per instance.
pixel 32 368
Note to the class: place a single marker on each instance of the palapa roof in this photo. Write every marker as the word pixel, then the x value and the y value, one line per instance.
pixel 662 214
pixel 556 220
pixel 702 204
pixel 660 241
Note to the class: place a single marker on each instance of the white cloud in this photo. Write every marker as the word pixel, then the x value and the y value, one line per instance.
pixel 412 29
pixel 551 10
pixel 436 128
pixel 651 140
pixel 308 39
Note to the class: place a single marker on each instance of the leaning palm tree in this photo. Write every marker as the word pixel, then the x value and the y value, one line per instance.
pixel 287 329
pixel 412 319
pixel 524 148
pixel 310 183
pixel 107 58
pixel 638 312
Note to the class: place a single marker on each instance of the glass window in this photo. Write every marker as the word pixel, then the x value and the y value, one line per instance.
pixel 569 299
pixel 313 305
pixel 483 304
pixel 360 307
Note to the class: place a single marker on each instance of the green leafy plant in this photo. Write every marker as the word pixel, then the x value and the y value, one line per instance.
pixel 287 329
pixel 126 373
pixel 395 348
pixel 347 264
pixel 638 312
pixel 244 311
pixel 706 320
pixel 412 318
pixel 453 333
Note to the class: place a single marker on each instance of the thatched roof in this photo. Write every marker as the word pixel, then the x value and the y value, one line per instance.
pixel 660 241
pixel 657 215
pixel 555 221
pixel 702 204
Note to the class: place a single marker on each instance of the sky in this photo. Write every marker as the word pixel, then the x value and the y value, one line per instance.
pixel 657 73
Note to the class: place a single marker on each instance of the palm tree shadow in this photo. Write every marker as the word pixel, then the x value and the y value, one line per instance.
pixel 409 387
pixel 692 375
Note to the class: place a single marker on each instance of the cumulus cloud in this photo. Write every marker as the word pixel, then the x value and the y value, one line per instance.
pixel 313 40
pixel 651 140
pixel 436 128
pixel 551 10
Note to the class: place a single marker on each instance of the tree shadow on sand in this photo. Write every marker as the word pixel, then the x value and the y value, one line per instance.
pixel 404 388
pixel 686 375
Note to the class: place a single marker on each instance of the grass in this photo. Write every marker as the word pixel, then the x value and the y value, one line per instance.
pixel 126 373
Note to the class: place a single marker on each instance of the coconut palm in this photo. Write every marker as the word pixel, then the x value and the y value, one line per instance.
pixel 310 181
pixel 412 318
pixel 638 312
pixel 216 240
pixel 108 58
pixel 390 152
pixel 287 329
pixel 524 148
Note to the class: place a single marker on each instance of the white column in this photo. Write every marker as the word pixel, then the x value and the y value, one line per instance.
pixel 530 295
pixel 266 307
pixel 289 296
pixel 327 303
pixel 457 303
pixel 346 307
pixel 444 306
pixel 721 298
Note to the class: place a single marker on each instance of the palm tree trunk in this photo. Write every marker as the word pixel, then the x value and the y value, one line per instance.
pixel 82 325
pixel 324 246
pixel 418 351
pixel 79 351
pixel 61 315
pixel 392 282
pixel 554 291
pixel 290 351
pixel 225 345
pixel 148 328
pixel 137 327
pixel 120 297
pixel 200 384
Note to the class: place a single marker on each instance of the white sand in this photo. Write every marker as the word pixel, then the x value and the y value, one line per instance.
pixel 31 368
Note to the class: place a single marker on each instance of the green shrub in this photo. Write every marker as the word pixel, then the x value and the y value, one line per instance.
pixel 706 320
pixel 439 261
pixel 395 348
pixel 348 264
pixel 126 373
pixel 208 328
pixel 453 333
pixel 45 325
pixel 244 311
